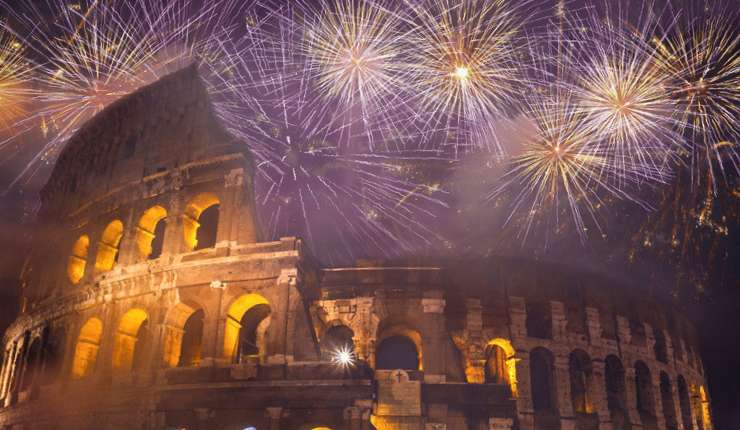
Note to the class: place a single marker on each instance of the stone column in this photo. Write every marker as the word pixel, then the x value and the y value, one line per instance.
pixel 562 389
pixel 435 343
pixel 518 318
pixel 274 414
pixel 597 394
pixel 677 405
pixel 173 231
pixel 524 407
pixel 630 389
pixel 593 326
pixel 559 321
pixel 476 358
pixel 657 398
pixel 280 335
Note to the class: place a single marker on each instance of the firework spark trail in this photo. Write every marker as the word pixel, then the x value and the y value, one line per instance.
pixel 703 60
pixel 622 93
pixel 95 53
pixel 353 55
pixel 462 61
pixel 16 76
pixel 16 91
pixel 342 202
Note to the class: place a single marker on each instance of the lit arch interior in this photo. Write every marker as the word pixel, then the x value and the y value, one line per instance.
pixel 146 230
pixel 108 246
pixel 78 259
pixel 176 331
pixel 236 312
pixel 86 349
pixel 510 362
pixel 126 337
pixel 191 218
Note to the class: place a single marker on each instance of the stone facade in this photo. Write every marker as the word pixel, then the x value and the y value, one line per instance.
pixel 134 318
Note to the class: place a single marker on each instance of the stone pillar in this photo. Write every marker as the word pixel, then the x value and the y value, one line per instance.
pixel 559 321
pixel 677 405
pixel 518 318
pixel 283 316
pixel 274 413
pixel 7 365
pixel 500 423
pixel 623 330
pixel 657 398
pixel 562 389
pixel 435 343
pixel 524 405
pixel 239 224
pixel 593 326
pixel 630 389
pixel 173 231
pixel 597 394
pixel 476 358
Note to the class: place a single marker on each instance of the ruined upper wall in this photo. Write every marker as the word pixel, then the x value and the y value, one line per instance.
pixel 159 127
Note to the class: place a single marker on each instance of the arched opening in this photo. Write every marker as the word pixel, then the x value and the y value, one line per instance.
pixel 200 221
pixel 78 259
pixel 336 339
pixel 131 341
pixel 108 246
pixel 54 341
pixel 33 364
pixel 86 349
pixel 666 397
pixel 541 364
pixel 660 349
pixel 183 335
pixel 150 232
pixel 616 394
pixel 501 364
pixel 192 340
pixel 580 370
pixel 684 402
pixel 397 352
pixel 539 319
pixel 496 371
pixel 246 324
pixel 644 395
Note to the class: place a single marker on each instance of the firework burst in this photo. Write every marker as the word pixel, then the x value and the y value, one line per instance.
pixel 96 52
pixel 346 203
pixel 353 55
pixel 15 81
pixel 704 63
pixel 622 92
pixel 462 61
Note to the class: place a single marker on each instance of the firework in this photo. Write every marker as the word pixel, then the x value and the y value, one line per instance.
pixel 15 81
pixel 97 52
pixel 463 61
pixel 560 165
pixel 353 56
pixel 704 63
pixel 622 92
pixel 345 201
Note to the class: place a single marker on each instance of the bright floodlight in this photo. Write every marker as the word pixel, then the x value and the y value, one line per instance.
pixel 343 356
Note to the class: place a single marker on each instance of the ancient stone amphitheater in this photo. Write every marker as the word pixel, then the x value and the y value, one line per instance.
pixel 150 301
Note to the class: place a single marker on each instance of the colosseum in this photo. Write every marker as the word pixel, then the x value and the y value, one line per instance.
pixel 151 301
